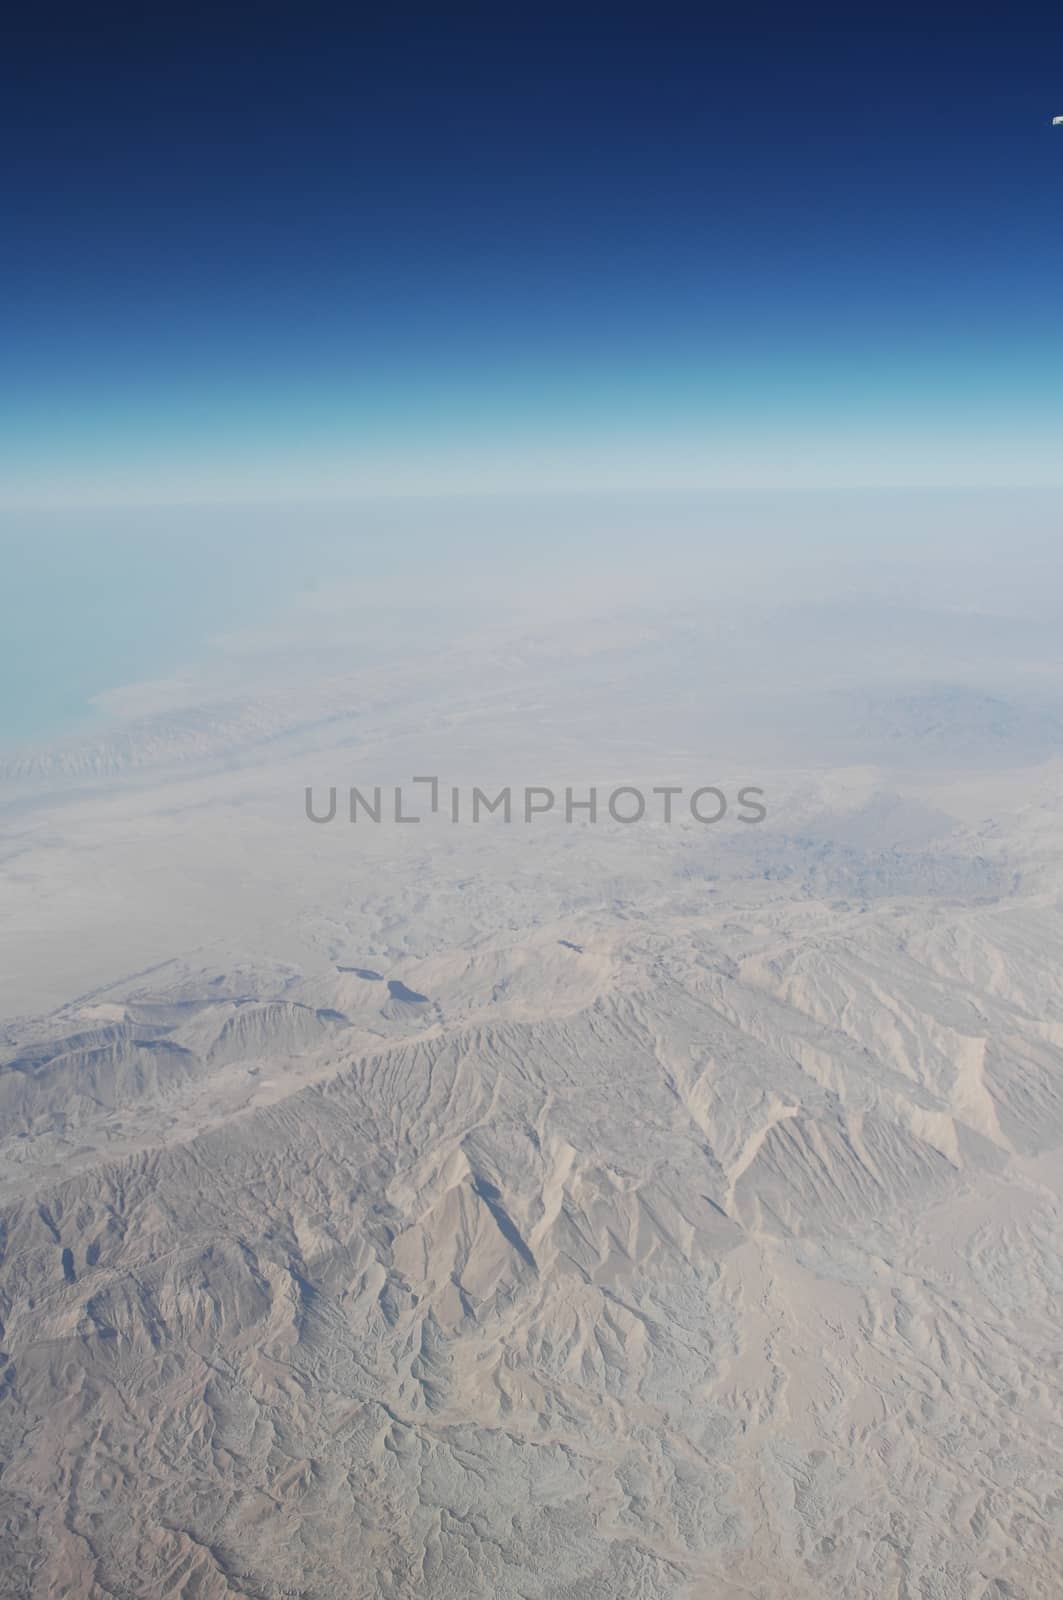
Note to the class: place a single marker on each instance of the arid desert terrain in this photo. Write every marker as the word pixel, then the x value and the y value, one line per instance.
pixel 549 1211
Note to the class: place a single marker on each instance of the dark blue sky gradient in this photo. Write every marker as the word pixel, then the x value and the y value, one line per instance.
pixel 255 252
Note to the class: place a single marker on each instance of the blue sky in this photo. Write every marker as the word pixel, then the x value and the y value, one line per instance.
pixel 270 256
